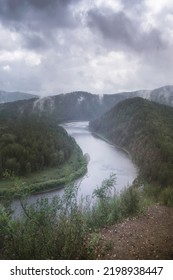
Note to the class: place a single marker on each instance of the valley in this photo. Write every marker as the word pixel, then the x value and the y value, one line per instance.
pixel 79 105
pixel 37 155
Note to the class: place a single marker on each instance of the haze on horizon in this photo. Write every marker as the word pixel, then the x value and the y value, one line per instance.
pixel 56 46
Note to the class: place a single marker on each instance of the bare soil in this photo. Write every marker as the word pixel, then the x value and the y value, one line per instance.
pixel 147 236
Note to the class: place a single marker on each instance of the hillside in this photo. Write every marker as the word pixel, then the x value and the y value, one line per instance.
pixel 40 151
pixel 28 146
pixel 64 107
pixel 14 96
pixel 79 106
pixel 162 95
pixel 145 129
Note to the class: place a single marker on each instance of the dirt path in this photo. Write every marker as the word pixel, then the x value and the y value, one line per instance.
pixel 148 236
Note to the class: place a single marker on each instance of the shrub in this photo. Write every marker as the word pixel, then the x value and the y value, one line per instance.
pixel 166 196
pixel 130 201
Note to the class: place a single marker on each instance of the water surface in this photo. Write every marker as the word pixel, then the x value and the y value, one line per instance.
pixel 105 159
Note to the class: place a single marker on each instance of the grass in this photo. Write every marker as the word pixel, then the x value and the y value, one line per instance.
pixel 46 179
pixel 68 229
pixel 64 228
pixel 157 194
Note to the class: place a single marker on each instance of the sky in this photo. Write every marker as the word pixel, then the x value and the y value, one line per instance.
pixel 103 46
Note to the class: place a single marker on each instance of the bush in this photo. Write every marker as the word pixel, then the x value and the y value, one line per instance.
pixel 65 228
pixel 166 196
pixel 130 201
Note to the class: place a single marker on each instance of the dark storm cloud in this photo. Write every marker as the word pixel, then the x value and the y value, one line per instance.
pixel 42 17
pixel 123 32
pixel 35 41
pixel 131 3
pixel 20 11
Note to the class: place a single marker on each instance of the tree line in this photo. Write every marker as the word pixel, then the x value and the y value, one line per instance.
pixel 28 145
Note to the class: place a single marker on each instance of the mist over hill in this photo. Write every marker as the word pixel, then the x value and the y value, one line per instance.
pixel 14 96
pixel 162 95
pixel 79 105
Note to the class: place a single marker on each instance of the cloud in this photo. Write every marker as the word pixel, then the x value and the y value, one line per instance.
pixel 37 20
pixel 6 68
pixel 30 13
pixel 54 46
pixel 122 32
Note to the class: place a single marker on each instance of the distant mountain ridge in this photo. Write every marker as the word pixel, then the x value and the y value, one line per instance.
pixel 162 95
pixel 80 105
pixel 14 96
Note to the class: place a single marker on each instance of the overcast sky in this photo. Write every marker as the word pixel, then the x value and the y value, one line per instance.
pixel 100 46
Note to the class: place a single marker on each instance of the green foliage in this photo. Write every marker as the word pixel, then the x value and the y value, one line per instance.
pixel 166 196
pixel 104 192
pixel 62 228
pixel 31 145
pixel 62 107
pixel 92 244
pixel 102 209
pixel 145 129
pixel 110 207
pixel 152 193
pixel 130 201
pixel 50 178
pixel 66 228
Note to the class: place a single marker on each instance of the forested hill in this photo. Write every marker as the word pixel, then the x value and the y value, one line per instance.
pixel 63 107
pixel 31 145
pixel 75 106
pixel 79 105
pixel 145 129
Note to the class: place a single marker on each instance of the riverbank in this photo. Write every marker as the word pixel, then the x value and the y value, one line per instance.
pixel 48 179
pixel 145 129
pixel 113 144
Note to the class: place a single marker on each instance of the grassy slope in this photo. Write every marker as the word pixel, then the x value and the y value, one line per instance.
pixel 47 179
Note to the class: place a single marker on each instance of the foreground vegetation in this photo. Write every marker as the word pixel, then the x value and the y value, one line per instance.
pixel 66 228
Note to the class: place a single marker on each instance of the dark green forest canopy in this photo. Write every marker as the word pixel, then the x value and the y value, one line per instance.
pixel 145 129
pixel 31 144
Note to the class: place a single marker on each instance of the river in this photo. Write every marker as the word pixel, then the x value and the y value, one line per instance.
pixel 105 159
